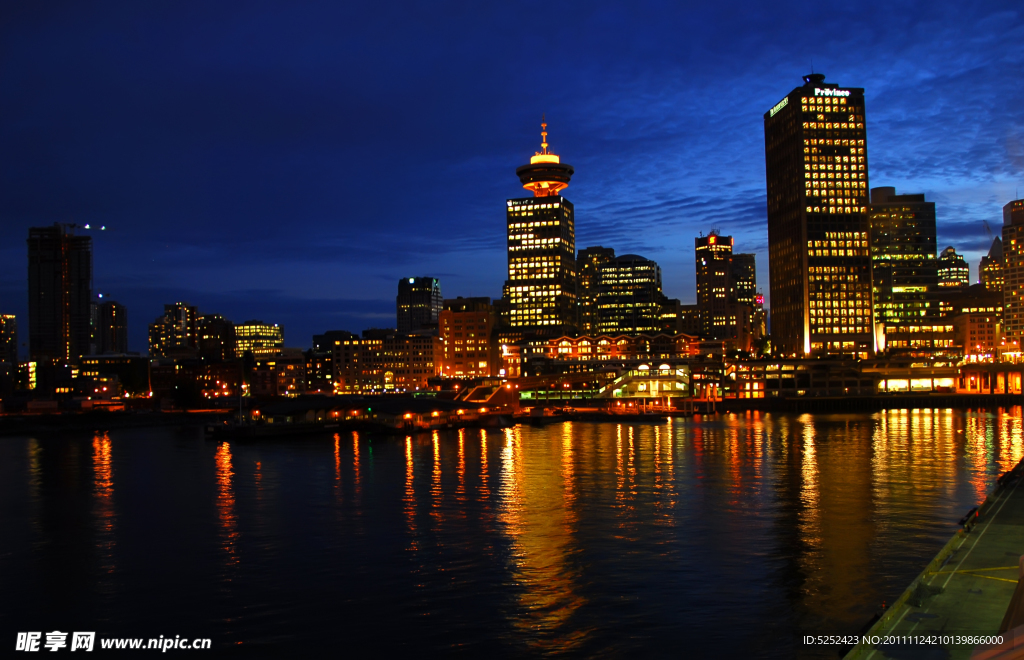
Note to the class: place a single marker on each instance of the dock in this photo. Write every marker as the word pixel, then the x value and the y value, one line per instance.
pixel 965 591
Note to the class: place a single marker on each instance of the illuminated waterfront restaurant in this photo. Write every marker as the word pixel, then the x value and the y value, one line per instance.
pixel 541 286
pixel 629 296
pixel 817 173
pixel 953 270
pixel 258 337
pixel 567 355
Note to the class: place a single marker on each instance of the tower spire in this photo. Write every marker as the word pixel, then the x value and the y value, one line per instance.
pixel 546 175
pixel 543 133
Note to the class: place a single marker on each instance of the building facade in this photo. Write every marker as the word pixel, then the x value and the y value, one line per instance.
pixel 905 271
pixel 540 291
pixel 469 338
pixel 174 333
pixel 588 264
pixel 990 270
pixel 391 363
pixel 1013 269
pixel 819 264
pixel 215 337
pixel 258 338
pixel 629 297
pixel 59 293
pixel 953 270
pixel 418 303
pixel 110 329
pixel 743 280
pixel 714 264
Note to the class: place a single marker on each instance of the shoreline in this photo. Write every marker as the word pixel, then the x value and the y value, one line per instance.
pixel 19 424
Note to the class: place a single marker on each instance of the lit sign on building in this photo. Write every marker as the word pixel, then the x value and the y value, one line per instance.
pixel 831 92
pixel 782 104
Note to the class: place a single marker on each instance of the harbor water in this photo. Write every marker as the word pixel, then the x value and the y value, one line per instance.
pixel 717 536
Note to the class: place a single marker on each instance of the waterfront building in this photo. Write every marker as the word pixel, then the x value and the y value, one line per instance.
pixel 386 361
pixel 418 303
pixel 59 293
pixel 925 338
pixel 588 264
pixel 174 333
pixel 629 296
pixel 540 291
pixel 714 264
pixel 979 335
pixel 258 338
pixel 820 267
pixel 319 371
pixel 990 270
pixel 904 267
pixel 215 337
pixel 598 353
pixel 110 328
pixel 1013 269
pixel 131 371
pixel 469 338
pixel 953 272
pixel 280 373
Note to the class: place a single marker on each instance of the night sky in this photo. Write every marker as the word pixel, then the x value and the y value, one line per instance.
pixel 290 161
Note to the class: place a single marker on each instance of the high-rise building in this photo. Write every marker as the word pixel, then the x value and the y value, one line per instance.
pixel 8 340
pixel 59 293
pixel 713 264
pixel 903 259
pixel 953 270
pixel 215 337
pixel 110 330
pixel 819 264
pixel 174 333
pixel 8 351
pixel 629 297
pixel 990 271
pixel 540 290
pixel 588 263
pixel 325 343
pixel 743 280
pixel 258 338
pixel 418 303
pixel 1013 270
pixel 469 338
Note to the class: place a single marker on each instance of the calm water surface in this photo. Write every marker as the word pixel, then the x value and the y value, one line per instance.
pixel 716 537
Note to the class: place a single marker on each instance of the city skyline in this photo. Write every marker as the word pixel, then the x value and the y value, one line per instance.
pixel 245 205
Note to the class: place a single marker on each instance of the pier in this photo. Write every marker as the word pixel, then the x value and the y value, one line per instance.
pixel 966 590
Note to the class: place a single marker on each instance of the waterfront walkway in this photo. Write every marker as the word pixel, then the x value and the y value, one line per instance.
pixel 965 590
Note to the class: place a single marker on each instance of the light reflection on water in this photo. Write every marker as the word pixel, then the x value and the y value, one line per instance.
pixel 583 539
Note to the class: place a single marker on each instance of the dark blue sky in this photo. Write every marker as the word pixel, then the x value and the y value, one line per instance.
pixel 290 161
